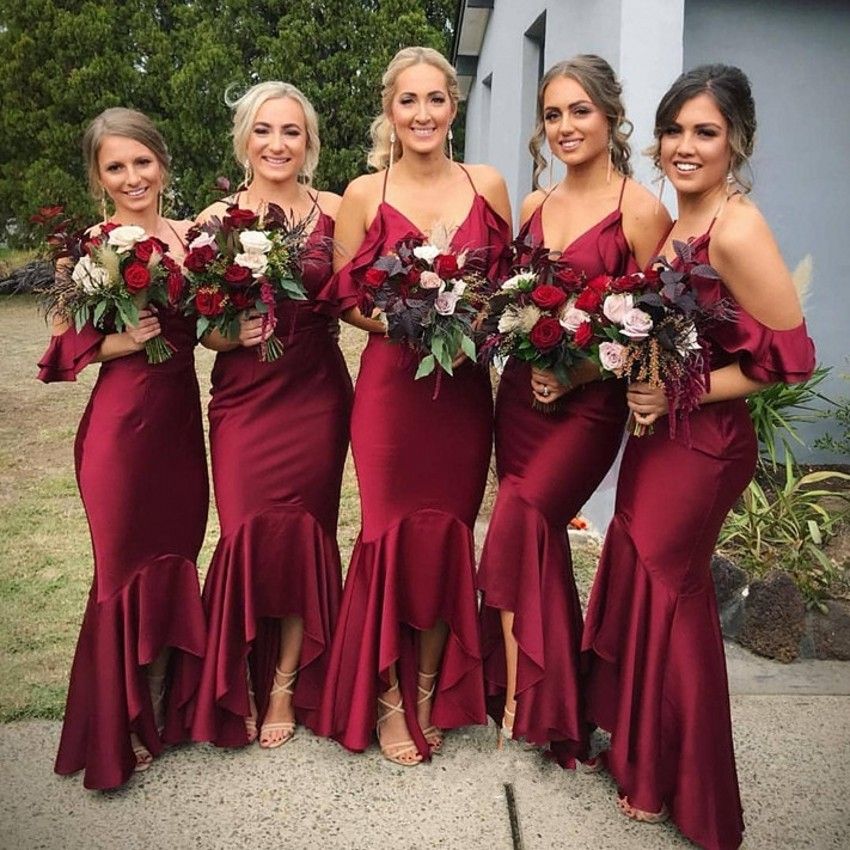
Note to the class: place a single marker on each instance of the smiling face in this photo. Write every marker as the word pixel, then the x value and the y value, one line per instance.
pixel 695 153
pixel 421 110
pixel 130 173
pixel 277 144
pixel 576 128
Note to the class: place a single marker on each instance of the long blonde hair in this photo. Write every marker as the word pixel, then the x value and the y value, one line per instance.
pixel 381 129
pixel 598 79
pixel 245 110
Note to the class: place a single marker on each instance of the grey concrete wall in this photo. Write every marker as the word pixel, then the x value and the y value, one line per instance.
pixel 797 56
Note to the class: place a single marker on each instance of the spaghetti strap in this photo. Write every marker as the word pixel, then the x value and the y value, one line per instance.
pixel 663 239
pixel 179 237
pixel 468 177
pixel 622 192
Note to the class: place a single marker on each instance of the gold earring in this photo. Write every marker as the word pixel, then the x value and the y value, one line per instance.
pixel 103 210
pixel 159 203
pixel 451 136
pixel 392 147
pixel 249 173
pixel 610 160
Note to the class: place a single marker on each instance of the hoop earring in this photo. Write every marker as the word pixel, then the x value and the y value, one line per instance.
pixel 660 192
pixel 103 210
pixel 392 147
pixel 610 160
pixel 249 173
pixel 451 136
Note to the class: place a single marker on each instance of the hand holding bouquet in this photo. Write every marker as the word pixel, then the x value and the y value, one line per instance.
pixel 430 297
pixel 115 274
pixel 244 262
pixel 651 329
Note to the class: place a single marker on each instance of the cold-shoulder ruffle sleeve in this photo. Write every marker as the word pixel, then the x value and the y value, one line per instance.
pixel 498 241
pixel 68 354
pixel 343 289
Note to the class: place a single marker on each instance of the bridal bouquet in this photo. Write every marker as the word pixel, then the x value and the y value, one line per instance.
pixel 429 295
pixel 116 273
pixel 651 329
pixel 542 314
pixel 244 261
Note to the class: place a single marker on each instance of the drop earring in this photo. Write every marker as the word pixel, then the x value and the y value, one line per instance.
pixel 249 173
pixel 451 136
pixel 660 192
pixel 103 211
pixel 610 160
pixel 392 147
pixel 159 203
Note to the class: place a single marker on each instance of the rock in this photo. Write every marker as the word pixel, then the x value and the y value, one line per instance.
pixel 732 618
pixel 774 617
pixel 831 631
pixel 729 578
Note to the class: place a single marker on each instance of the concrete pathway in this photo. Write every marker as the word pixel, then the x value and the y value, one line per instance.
pixel 792 737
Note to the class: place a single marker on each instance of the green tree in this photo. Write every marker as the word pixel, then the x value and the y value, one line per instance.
pixel 64 62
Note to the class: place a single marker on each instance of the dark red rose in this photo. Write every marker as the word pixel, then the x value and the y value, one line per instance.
pixel 445 265
pixel 136 276
pixel 599 283
pixel 629 282
pixel 546 334
pixel 548 297
pixel 411 279
pixel 209 301
pixel 652 279
pixel 375 277
pixel 237 275
pixel 568 278
pixel 175 280
pixel 198 259
pixel 108 227
pixel 588 300
pixel 239 219
pixel 583 335
pixel 143 251
pixel 241 299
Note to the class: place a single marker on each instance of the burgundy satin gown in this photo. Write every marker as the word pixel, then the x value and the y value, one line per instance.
pixel 141 469
pixel 422 467
pixel 657 676
pixel 278 439
pixel 548 464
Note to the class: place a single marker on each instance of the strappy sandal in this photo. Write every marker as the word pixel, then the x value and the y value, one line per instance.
pixel 251 719
pixel 403 753
pixel 144 759
pixel 639 815
pixel 282 686
pixel 506 732
pixel 432 734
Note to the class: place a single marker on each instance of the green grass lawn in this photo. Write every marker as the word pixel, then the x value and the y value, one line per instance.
pixel 45 552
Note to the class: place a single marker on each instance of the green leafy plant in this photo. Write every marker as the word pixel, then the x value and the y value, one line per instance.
pixel 840 412
pixel 785 525
pixel 778 409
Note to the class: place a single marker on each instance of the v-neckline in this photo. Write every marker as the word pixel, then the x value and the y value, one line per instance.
pixel 617 212
pixel 419 230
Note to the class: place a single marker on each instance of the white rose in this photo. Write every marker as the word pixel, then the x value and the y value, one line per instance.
pixel 430 280
pixel 616 306
pixel 426 252
pixel 446 303
pixel 612 356
pixel 636 323
pixel 202 241
pixel 459 287
pixel 515 281
pixel 256 262
pixel 508 321
pixel 255 242
pixel 528 317
pixel 689 343
pixel 123 238
pixel 90 276
pixel 572 317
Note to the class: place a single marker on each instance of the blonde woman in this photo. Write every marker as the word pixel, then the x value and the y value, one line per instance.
pixel 278 439
pixel 406 655
pixel 141 469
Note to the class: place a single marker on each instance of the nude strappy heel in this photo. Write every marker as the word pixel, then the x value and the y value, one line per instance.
pixel 251 719
pixel 403 753
pixel 432 734
pixel 284 685
pixel 506 731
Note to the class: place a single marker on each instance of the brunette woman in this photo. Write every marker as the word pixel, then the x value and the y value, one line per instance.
pixel 658 674
pixel 406 653
pixel 141 470
pixel 278 438
pixel 597 220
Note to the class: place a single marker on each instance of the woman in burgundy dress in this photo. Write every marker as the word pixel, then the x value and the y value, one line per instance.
pixel 141 469
pixel 278 438
pixel 658 675
pixel 406 652
pixel 549 463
